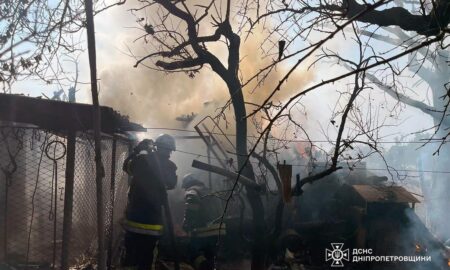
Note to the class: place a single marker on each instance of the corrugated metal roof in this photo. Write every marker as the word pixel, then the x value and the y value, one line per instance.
pixel 395 194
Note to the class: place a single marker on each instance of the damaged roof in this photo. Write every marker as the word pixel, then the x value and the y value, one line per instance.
pixel 61 116
pixel 392 194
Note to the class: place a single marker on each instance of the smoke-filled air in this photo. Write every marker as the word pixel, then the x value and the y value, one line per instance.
pixel 224 135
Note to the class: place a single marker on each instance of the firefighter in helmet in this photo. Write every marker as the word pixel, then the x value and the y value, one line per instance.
pixel 201 222
pixel 151 173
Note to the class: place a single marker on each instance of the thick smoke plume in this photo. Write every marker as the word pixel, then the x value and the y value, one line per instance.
pixel 156 98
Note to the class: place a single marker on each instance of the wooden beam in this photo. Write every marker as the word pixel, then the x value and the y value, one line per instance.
pixel 214 169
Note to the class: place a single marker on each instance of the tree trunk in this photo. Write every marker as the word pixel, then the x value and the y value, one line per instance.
pixel 258 248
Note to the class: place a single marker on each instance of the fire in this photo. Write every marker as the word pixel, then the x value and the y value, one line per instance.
pixel 448 262
pixel 303 148
pixel 418 249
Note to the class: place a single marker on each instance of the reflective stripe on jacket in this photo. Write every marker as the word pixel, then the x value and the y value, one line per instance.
pixel 141 228
pixel 210 230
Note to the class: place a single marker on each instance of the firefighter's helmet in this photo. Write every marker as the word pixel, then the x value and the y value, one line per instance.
pixel 189 180
pixel 165 141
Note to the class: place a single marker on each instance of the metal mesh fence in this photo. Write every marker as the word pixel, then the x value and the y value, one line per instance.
pixel 32 186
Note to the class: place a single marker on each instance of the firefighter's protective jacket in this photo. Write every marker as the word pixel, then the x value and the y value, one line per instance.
pixel 202 213
pixel 151 175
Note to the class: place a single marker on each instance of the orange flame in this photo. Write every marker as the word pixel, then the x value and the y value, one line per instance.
pixel 303 148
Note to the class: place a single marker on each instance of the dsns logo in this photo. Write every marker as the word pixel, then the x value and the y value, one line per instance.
pixel 337 255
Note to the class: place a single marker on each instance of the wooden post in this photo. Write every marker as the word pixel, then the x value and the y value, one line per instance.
pixel 211 168
pixel 4 230
pixel 112 198
pixel 99 169
pixel 68 199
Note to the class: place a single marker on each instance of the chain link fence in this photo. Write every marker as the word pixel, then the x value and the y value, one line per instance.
pixel 32 188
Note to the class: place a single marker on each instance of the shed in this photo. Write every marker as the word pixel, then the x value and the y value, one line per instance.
pixel 383 194
pixel 375 196
pixel 48 217
pixel 59 116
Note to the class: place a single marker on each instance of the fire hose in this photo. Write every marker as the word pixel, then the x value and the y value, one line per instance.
pixel 169 221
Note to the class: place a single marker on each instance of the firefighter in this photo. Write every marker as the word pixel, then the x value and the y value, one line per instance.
pixel 201 222
pixel 152 173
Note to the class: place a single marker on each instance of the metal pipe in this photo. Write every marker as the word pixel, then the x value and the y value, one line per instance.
pixel 213 141
pixel 208 153
pixel 68 199
pixel 208 144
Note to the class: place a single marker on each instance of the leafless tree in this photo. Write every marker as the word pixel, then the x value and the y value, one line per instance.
pixel 182 34
pixel 31 34
pixel 332 17
pixel 180 39
pixel 414 34
pixel 428 68
pixel 35 33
